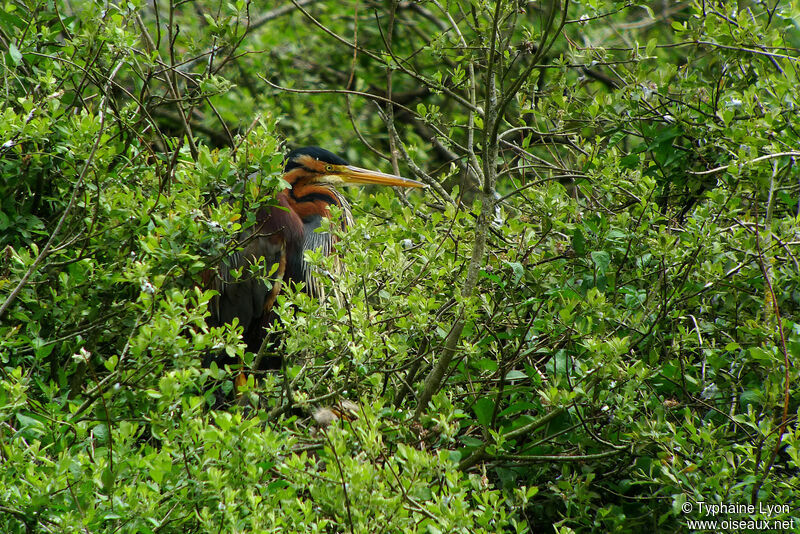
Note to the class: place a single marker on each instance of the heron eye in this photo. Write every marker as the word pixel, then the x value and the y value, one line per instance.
pixel 328 168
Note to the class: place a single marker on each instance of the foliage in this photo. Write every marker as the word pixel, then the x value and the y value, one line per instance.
pixel 587 321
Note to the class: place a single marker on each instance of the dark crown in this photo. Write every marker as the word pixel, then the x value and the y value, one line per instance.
pixel 315 152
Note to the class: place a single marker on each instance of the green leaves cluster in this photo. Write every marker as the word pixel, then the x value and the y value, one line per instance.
pixel 628 341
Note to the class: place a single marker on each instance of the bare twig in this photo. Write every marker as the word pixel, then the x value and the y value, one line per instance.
pixel 273 14
pixel 745 163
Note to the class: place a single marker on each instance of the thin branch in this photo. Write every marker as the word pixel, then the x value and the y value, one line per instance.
pixel 745 163
pixel 277 12
pixel 335 91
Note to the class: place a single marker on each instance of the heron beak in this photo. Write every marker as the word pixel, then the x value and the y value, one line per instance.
pixel 356 175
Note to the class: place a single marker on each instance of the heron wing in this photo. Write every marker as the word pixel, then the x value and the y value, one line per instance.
pixel 248 297
pixel 314 240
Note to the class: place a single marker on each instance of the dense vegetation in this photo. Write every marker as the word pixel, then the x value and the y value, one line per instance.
pixel 589 319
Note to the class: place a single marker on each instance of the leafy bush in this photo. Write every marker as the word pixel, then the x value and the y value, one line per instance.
pixel 588 320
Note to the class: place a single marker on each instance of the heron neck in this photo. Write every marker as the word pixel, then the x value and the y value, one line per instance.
pixel 310 200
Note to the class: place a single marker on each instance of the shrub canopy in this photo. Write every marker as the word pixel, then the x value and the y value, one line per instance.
pixel 588 321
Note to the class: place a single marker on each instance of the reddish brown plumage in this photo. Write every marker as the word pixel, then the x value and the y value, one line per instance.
pixel 281 235
pixel 314 201
pixel 280 222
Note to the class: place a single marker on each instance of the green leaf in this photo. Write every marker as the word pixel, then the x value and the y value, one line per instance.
pixel 100 432
pixel 578 242
pixel 515 375
pixel 108 478
pixel 616 137
pixel 16 55
pixel 751 397
pixel 601 260
pixel 518 407
pixel 762 355
pixel 469 441
pixel 484 408
pixel 277 485
pixel 28 422
pixel 518 271
pixel 651 46
pixel 210 21
pixel 8 20
pixel 111 362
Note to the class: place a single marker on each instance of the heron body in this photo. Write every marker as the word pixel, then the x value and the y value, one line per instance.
pixel 283 231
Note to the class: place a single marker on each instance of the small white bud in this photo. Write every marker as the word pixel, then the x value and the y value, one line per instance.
pixel 648 90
